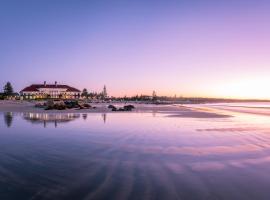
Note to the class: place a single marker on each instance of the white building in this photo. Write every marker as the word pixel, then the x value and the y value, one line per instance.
pixel 45 90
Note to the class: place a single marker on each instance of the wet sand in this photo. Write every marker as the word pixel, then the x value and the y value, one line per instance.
pixel 154 152
pixel 244 109
pixel 134 155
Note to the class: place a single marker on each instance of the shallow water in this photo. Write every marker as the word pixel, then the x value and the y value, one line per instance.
pixel 245 104
pixel 133 156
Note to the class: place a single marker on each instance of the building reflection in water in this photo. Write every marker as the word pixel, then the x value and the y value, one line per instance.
pixel 49 118
pixel 8 117
pixel 104 117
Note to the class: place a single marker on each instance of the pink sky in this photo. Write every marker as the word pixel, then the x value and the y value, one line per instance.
pixel 188 49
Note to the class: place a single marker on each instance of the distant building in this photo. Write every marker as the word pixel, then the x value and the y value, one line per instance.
pixel 39 91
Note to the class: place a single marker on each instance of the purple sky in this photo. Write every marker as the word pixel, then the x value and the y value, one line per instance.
pixel 189 48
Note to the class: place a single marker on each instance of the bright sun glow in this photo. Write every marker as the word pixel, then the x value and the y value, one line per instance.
pixel 246 88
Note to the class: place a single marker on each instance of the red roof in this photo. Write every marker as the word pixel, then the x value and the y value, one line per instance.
pixel 35 87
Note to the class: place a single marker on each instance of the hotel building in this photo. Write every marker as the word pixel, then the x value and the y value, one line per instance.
pixel 55 91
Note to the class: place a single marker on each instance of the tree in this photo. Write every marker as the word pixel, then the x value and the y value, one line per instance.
pixel 2 96
pixel 104 92
pixel 84 92
pixel 154 96
pixel 91 95
pixel 8 89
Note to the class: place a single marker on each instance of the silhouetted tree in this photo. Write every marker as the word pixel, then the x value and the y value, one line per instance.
pixel 91 95
pixel 104 93
pixel 84 92
pixel 8 89
pixel 154 96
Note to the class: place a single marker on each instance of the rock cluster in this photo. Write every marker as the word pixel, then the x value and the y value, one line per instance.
pixel 125 108
pixel 62 105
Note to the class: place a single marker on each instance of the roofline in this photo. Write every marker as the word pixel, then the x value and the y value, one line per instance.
pixel 35 87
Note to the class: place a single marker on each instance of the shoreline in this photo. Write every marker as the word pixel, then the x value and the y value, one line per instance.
pixel 171 110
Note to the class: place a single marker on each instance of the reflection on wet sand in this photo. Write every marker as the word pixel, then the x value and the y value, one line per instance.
pixel 135 156
pixel 45 118
pixel 104 117
pixel 48 118
pixel 232 129
pixel 84 116
pixel 8 117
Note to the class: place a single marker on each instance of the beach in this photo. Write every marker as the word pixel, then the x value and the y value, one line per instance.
pixel 216 151
pixel 171 110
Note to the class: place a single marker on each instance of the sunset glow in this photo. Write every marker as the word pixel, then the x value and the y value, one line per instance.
pixel 252 88
pixel 183 48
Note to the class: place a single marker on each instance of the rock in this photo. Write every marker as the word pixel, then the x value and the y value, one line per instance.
pixel 111 106
pixel 60 106
pixel 55 105
pixel 71 104
pixel 50 103
pixel 86 105
pixel 125 108
pixel 40 105
pixel 128 107
pixel 49 108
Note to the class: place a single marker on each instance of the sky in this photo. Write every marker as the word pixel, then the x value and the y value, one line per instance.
pixel 203 48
